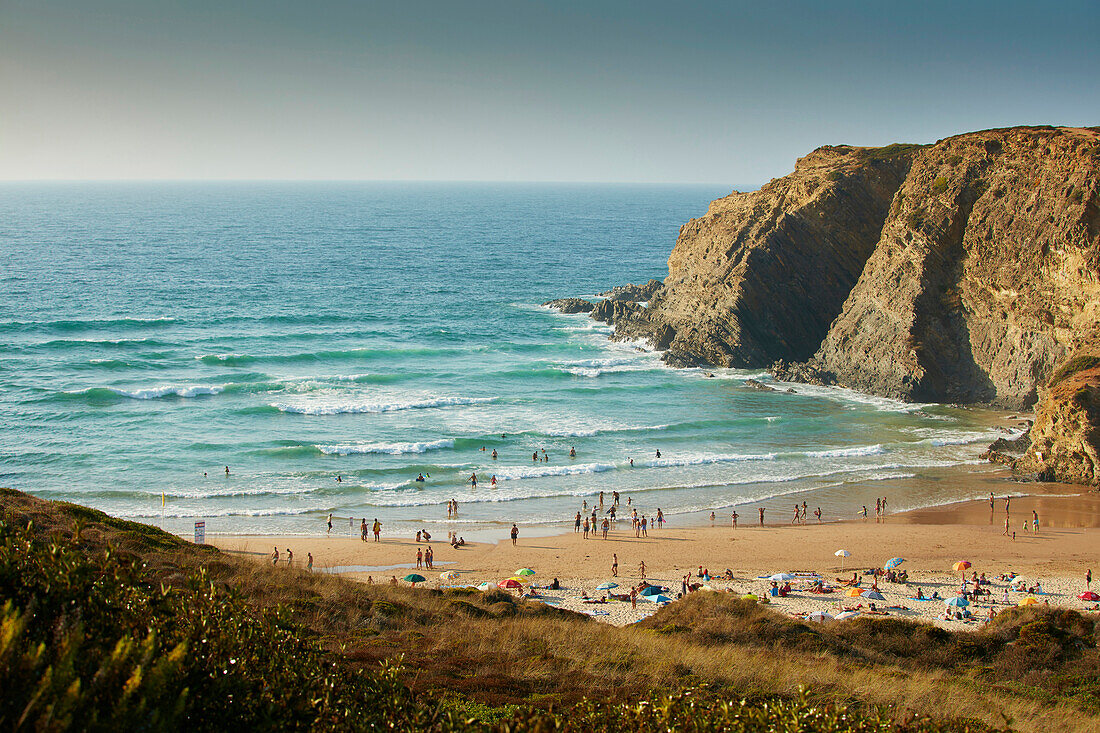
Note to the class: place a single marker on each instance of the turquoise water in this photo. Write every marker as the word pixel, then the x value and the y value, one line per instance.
pixel 154 333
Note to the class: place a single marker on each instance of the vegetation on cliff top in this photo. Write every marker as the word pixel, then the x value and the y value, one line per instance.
pixel 104 624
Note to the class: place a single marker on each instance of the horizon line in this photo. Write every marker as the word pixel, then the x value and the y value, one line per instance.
pixel 375 180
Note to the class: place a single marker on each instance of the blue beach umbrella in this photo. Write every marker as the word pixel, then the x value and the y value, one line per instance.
pixel 893 563
pixel 650 590
pixel 957 601
pixel 874 595
pixel 658 598
pixel 607 586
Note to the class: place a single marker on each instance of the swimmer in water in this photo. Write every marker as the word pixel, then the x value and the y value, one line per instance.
pixel 473 479
pixel 572 452
pixel 419 477
pixel 494 454
pixel 493 480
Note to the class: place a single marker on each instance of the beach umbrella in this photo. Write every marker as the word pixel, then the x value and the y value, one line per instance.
pixel 893 563
pixel 842 554
pixel 449 575
pixel 525 571
pixel 782 577
pixel 961 566
pixel 957 601
pixel 1089 596
pixel 520 579
pixel 853 592
pixel 874 595
pixel 818 616
pixel 486 586
pixel 650 590
pixel 846 615
pixel 658 598
pixel 414 578
pixel 1029 601
pixel 607 586
pixel 750 597
pixel 509 583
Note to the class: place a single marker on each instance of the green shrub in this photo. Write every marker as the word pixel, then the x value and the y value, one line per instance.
pixel 1071 367
pixel 939 185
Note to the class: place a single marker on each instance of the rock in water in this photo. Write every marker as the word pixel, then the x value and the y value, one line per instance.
pixel 758 385
pixel 633 293
pixel 570 305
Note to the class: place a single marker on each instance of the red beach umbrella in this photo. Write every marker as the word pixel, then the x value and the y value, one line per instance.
pixel 1089 596
pixel 509 583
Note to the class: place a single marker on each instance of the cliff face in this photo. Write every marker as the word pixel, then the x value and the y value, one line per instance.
pixel 985 273
pixel 1065 440
pixel 762 275
pixel 961 271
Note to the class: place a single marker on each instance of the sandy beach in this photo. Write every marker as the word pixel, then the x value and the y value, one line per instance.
pixel 931 541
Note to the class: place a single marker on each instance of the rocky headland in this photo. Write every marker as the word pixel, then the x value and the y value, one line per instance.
pixel 964 271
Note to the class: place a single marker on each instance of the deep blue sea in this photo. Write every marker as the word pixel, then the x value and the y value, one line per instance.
pixel 153 334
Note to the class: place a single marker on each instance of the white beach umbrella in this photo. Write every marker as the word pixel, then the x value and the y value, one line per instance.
pixel 846 614
pixel 782 577
pixel 819 616
pixel 842 554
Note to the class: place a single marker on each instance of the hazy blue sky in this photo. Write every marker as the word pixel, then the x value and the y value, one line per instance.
pixel 724 92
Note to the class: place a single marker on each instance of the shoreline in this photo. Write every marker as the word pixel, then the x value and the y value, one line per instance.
pixel 931 540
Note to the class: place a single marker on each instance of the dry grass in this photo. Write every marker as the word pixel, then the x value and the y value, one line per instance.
pixel 1034 668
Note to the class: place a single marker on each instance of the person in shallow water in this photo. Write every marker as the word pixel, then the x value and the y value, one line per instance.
pixel 419 477
pixel 473 479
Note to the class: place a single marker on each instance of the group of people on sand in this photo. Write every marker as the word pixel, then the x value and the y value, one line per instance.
pixel 424 558
pixel 376 528
pixel 290 558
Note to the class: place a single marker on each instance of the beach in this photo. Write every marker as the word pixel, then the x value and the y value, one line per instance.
pixel 930 540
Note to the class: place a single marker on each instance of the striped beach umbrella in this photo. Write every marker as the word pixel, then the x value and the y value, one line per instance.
pixel 957 601
pixel 449 575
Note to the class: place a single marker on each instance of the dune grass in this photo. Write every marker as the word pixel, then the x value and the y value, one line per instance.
pixel 488 659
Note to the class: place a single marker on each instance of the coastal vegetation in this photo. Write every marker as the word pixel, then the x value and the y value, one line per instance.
pixel 107 623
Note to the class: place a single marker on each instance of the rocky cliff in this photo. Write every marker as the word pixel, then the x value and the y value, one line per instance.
pixel 961 271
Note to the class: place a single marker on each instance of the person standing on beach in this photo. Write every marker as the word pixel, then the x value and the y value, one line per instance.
pixel 289 557
pixel 645 523
pixel 1005 533
pixel 863 512
pixel 1007 500
pixel 309 561
pixel 634 598
pixel 990 502
pixel 733 517
pixel 275 556
pixel 797 514
pixel 419 558
pixel 1035 521
pixel 429 558
pixel 817 513
pixel 641 567
pixel 515 534
pixel 1088 579
pixel 614 565
pixel 761 516
pixel 606 525
pixel 330 521
pixel 660 518
pixel 585 536
pixel 377 530
pixel 601 500
pixel 577 523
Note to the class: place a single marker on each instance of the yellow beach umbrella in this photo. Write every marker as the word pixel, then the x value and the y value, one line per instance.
pixel 1029 601
pixel 750 597
pixel 520 579
pixel 853 592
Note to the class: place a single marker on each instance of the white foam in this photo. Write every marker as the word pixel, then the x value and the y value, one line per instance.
pixel 393 449
pixel 703 459
pixel 200 512
pixel 334 406
pixel 153 393
pixel 863 450
pixel 853 398
pixel 521 472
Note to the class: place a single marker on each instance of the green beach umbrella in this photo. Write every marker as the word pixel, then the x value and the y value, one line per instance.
pixel 414 578
pixel 525 571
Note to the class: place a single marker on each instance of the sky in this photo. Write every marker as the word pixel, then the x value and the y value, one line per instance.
pixel 663 92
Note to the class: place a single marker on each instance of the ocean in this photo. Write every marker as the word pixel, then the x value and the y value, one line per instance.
pixel 330 342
